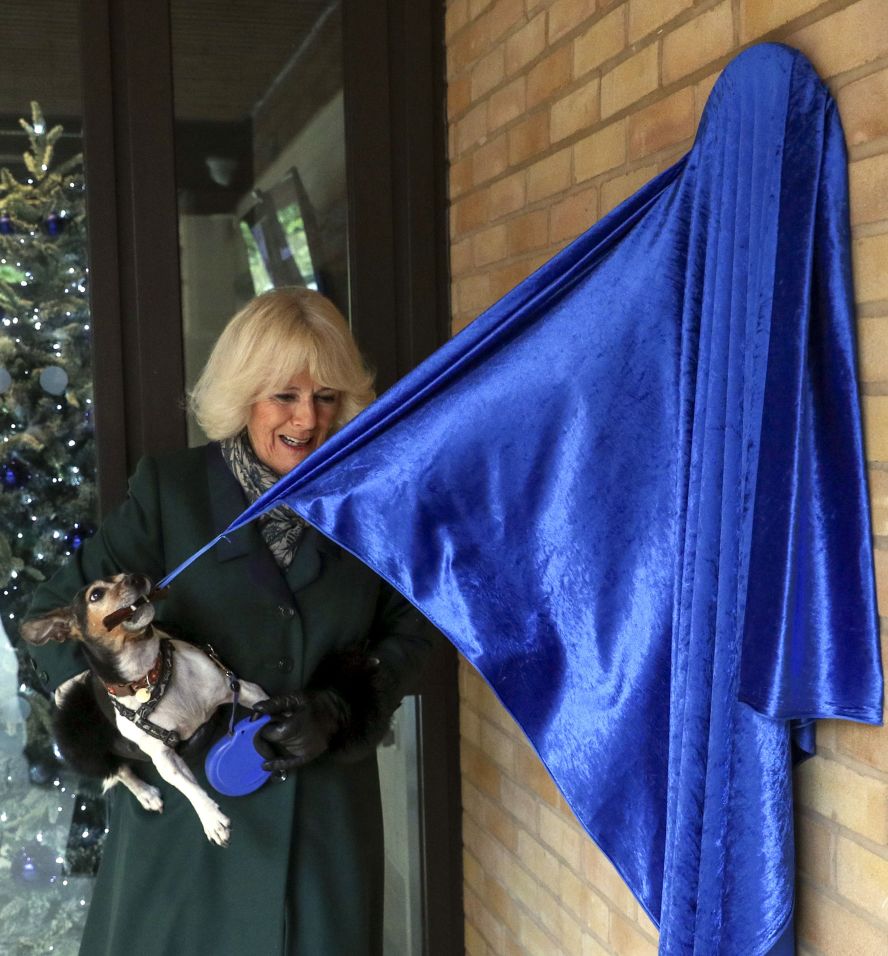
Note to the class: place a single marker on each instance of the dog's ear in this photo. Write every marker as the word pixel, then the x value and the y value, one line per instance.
pixel 54 626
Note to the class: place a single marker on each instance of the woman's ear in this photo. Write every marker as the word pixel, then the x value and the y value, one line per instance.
pixel 54 626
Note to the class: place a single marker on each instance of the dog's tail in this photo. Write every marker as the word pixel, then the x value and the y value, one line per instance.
pixel 84 736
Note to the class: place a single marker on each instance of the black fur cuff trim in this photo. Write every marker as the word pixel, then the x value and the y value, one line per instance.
pixel 367 695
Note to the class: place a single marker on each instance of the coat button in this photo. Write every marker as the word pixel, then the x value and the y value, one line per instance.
pixel 285 611
pixel 285 665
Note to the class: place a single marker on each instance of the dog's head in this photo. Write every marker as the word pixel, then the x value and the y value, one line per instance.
pixel 83 619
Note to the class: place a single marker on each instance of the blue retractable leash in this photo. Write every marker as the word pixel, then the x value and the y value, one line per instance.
pixel 234 765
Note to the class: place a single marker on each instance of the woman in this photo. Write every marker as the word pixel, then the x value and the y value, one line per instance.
pixel 285 608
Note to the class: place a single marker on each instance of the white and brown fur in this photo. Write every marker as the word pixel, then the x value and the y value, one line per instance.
pixel 196 689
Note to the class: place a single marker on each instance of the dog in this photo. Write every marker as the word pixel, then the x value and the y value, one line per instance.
pixel 161 689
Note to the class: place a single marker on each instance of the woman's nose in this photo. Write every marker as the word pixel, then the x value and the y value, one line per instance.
pixel 303 413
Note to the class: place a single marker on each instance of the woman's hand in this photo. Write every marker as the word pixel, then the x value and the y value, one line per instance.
pixel 302 725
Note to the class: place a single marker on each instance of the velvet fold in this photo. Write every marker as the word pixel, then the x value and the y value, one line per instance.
pixel 632 493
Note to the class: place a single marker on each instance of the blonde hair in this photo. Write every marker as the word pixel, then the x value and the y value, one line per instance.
pixel 275 336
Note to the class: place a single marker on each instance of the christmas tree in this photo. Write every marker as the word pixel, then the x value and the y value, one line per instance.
pixel 51 828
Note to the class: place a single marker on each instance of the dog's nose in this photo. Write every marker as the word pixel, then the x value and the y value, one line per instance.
pixel 139 581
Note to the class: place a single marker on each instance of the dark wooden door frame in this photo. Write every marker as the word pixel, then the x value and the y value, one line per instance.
pixel 395 142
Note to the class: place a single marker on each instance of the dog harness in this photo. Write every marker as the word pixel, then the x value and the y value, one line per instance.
pixel 158 687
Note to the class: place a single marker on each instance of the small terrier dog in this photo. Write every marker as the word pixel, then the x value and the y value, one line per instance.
pixel 162 690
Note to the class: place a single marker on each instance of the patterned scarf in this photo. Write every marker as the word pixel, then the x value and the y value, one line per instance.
pixel 281 528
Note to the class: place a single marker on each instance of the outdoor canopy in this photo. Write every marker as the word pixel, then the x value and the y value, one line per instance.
pixel 632 493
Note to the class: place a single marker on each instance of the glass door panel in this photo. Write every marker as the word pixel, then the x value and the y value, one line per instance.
pixel 262 188
pixel 52 824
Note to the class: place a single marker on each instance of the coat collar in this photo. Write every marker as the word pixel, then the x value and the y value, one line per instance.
pixel 227 501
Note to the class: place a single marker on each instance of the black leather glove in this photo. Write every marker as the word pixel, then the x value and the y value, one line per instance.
pixel 345 711
pixel 302 726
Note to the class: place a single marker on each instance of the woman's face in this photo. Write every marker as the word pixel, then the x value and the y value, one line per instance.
pixel 287 427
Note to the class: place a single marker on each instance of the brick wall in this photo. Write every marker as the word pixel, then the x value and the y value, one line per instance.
pixel 558 110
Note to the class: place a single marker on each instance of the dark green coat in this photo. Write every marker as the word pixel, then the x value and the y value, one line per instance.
pixel 304 871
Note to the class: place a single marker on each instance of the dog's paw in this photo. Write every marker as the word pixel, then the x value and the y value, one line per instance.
pixel 216 826
pixel 150 799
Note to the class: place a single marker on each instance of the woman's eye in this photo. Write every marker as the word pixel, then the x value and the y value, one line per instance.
pixel 284 397
pixel 96 595
pixel 327 398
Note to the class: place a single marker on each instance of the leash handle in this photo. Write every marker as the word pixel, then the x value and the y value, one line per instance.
pixel 125 613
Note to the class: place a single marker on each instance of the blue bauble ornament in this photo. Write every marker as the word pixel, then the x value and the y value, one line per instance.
pixel 54 223
pixel 35 865
pixel 5 224
pixel 79 533
pixel 13 473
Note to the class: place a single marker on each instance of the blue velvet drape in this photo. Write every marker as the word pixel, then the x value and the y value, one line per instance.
pixel 632 493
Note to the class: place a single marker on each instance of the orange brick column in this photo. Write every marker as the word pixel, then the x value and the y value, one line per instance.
pixel 558 110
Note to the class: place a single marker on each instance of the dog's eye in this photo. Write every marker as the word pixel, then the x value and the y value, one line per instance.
pixel 96 595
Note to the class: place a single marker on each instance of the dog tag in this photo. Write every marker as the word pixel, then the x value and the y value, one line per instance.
pixel 143 695
pixel 234 765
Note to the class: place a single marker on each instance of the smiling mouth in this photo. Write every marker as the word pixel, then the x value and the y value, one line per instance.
pixel 294 442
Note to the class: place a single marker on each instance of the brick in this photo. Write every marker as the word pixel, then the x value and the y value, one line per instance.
pixel 529 138
pixel 615 191
pixel 814 848
pixel 503 16
pixel 605 149
pixel 664 123
pixel 573 215
pixel 472 128
pixel 878 489
pixel 540 861
pixel 459 96
pixel 873 349
pixel 471 212
pixel 880 560
pixel 575 112
pixel 870 262
pixel 506 278
pixel 479 770
pixel 700 41
pixel 588 907
pixel 758 17
pixel 862 878
pixel 460 53
pixel 487 851
pixel 490 928
pixel 645 17
pixel 506 196
pixel 520 803
pixel 869 197
pixel 600 873
pixel 848 39
pixel 528 232
pixel 490 160
pixel 469 721
pixel 603 40
pixel 489 246
pixel 566 15
pixel 628 940
pixel 862 108
pixel 841 794
pixel 702 89
pixel 456 17
pixel 488 73
pixel 561 835
pixel 473 872
pixel 531 772
pixel 630 81
pixel 496 744
pixel 535 941
pixel 460 177
pixel 499 901
pixel 592 947
pixel 477 7
pixel 833 929
pixel 549 176
pixel 506 103
pixel 473 294
pixel 875 426
pixel 475 945
pixel 526 44
pixel 569 933
pixel 548 76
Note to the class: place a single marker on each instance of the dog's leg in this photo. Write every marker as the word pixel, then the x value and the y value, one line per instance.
pixel 251 693
pixel 148 796
pixel 175 771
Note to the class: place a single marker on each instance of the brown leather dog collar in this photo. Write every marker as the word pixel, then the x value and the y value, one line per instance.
pixel 148 681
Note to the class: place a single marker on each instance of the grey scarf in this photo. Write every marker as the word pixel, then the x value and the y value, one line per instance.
pixel 281 528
